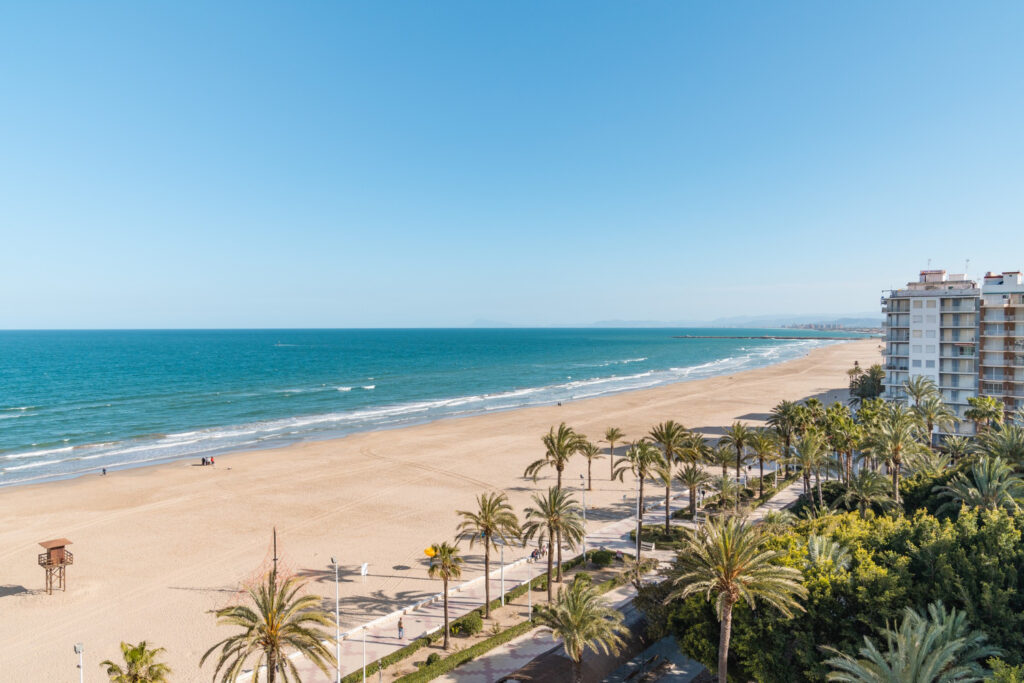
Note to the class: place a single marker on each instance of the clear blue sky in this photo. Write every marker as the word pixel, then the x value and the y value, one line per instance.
pixel 250 164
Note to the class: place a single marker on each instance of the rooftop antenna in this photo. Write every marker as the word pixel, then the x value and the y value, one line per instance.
pixel 929 264
pixel 967 266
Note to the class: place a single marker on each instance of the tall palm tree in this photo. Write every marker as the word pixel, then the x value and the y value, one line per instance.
pixel 581 620
pixel 671 438
pixel 764 446
pixel 866 489
pixel 728 492
pixel 919 387
pixel 810 454
pixel 279 620
pixel 984 411
pixel 612 436
pixel 739 437
pixel 696 448
pixel 493 523
pixel 140 665
pixel 783 420
pixel 895 437
pixel 1006 442
pixel 937 648
pixel 721 456
pixel 559 445
pixel 728 560
pixel 933 412
pixel 445 564
pixel 590 452
pixel 554 515
pixel 991 484
pixel 693 476
pixel 824 553
pixel 928 463
pixel 842 434
pixel 642 459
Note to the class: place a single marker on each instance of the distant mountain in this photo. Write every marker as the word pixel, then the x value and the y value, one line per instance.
pixel 854 320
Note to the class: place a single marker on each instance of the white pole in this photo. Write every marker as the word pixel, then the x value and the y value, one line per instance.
pixel 337 624
pixel 639 519
pixel 502 575
pixel 364 654
pixel 583 487
pixel 81 671
pixel 529 598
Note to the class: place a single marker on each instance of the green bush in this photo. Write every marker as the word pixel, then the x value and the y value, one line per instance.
pixel 472 623
pixel 602 558
pixel 439 668
pixel 433 657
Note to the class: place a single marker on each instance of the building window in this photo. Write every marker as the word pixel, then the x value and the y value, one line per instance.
pixel 930 334
pixel 929 348
pixel 918 303
pixel 915 363
pixel 915 319
pixel 931 303
pixel 916 348
pixel 929 364
pixel 930 318
pixel 916 333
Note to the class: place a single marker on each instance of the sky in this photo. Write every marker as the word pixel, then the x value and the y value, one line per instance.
pixel 408 164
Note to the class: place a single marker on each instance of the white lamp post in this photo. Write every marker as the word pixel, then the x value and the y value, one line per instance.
pixel 364 654
pixel 639 519
pixel 81 672
pixel 337 624
pixel 583 488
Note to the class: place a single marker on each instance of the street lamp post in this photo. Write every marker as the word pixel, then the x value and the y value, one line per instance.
pixel 337 624
pixel 639 519
pixel 81 672
pixel 364 654
pixel 502 574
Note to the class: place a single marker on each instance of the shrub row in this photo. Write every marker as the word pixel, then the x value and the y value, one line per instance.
pixel 429 672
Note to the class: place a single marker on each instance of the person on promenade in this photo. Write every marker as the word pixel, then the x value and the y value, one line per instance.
pixel 401 629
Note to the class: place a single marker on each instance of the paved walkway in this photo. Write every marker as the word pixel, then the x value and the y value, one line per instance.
pixel 380 637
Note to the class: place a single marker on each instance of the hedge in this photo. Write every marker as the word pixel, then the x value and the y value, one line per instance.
pixel 432 671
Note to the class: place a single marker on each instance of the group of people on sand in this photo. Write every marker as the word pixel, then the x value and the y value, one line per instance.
pixel 207 461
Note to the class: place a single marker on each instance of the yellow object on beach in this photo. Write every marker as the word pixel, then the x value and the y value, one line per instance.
pixel 429 552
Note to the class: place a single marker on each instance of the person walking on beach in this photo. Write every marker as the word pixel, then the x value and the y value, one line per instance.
pixel 401 629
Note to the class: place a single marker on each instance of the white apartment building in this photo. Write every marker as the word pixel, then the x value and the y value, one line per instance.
pixel 1002 338
pixel 930 329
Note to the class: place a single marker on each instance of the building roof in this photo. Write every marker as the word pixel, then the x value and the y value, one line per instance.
pixel 55 543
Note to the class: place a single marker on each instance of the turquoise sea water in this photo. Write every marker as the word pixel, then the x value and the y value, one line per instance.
pixel 75 402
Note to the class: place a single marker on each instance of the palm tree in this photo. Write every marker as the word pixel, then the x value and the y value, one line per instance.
pixel 612 436
pixel 728 560
pixel 842 434
pixel 721 456
pixel 590 452
pixel 559 447
pixel 728 492
pixel 581 619
pixel 693 476
pixel 990 485
pixel 928 463
pixel 493 523
pixel 957 447
pixel 279 620
pixel 739 437
pixel 933 412
pixel 938 648
pixel 810 454
pixel 1006 442
pixel 445 564
pixel 696 448
pixel 984 411
pixel 553 516
pixel 642 459
pixel 824 553
pixel 783 420
pixel 764 446
pixel 866 489
pixel 919 387
pixel 867 386
pixel 894 438
pixel 140 665
pixel 671 438
pixel 775 521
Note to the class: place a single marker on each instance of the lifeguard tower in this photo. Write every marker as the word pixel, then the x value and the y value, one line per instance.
pixel 54 561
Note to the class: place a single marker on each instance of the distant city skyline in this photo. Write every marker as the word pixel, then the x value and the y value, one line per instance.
pixel 437 165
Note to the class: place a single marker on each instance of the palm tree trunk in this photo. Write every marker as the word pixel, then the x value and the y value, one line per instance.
pixel 487 578
pixel 550 559
pixel 760 483
pixel 639 518
pixel 577 671
pixel 817 480
pixel 271 667
pixel 668 490
pixel 558 541
pixel 589 464
pixel 863 510
pixel 739 457
pixel 724 634
pixel 446 614
pixel 611 460
pixel 786 457
pixel 693 503
pixel 896 482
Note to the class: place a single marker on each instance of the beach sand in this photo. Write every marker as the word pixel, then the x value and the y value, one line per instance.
pixel 156 548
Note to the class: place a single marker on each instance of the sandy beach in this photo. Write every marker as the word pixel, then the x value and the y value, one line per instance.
pixel 156 548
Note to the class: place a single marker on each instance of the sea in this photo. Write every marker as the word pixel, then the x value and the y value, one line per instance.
pixel 75 402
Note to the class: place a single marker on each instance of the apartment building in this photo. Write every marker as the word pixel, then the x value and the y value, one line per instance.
pixel 931 329
pixel 1001 325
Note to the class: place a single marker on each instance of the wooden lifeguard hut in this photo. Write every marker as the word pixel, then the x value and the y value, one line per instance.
pixel 55 561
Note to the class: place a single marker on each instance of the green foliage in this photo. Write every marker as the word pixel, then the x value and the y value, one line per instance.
pixel 472 623
pixel 602 558
pixel 1004 673
pixel 433 657
pixel 973 562
pixel 442 666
